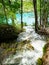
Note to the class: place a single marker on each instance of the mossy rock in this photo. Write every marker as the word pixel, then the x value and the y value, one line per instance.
pixel 7 33
pixel 39 61
pixel 29 46
pixel 44 49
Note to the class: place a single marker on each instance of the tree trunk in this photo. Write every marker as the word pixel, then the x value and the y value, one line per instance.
pixel 44 17
pixel 4 11
pixel 35 10
pixel 40 12
pixel 13 23
pixel 22 14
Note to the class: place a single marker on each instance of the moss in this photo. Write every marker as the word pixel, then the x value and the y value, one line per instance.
pixel 19 45
pixel 25 43
pixel 11 48
pixel 7 49
pixel 39 61
pixel 44 49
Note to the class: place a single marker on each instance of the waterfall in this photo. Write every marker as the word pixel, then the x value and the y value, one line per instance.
pixel 28 57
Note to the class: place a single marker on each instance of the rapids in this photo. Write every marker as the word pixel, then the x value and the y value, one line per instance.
pixel 28 57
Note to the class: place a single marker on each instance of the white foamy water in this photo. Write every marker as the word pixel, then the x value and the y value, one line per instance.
pixel 28 57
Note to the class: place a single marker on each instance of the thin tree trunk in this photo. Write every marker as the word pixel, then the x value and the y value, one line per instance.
pixel 4 11
pixel 21 14
pixel 44 15
pixel 40 12
pixel 35 10
pixel 12 15
pixel 13 21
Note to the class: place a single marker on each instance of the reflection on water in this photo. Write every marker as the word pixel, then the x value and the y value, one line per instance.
pixel 28 57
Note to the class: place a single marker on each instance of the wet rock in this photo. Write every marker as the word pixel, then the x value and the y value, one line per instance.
pixel 29 47
pixel 26 41
pixel 6 50
pixel 17 60
pixel 25 45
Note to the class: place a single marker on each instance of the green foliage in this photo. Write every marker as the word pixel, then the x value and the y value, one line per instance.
pixel 8 9
pixel 44 49
pixel 27 6
pixel 44 11
pixel 38 5
pixel 39 61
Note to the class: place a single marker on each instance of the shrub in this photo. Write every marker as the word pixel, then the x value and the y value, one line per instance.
pixel 39 61
pixel 8 33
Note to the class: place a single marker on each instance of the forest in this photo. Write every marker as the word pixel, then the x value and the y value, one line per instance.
pixel 24 32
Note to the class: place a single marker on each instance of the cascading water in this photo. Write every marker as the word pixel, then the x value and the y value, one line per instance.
pixel 28 57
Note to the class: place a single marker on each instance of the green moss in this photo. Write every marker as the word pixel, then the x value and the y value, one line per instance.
pixel 8 49
pixel 39 61
pixel 44 49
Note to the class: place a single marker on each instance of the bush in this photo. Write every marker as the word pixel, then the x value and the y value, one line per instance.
pixel 39 61
pixel 7 33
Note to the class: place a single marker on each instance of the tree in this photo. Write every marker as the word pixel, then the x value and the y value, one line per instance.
pixel 13 8
pixel 35 10
pixel 44 12
pixel 4 9
pixel 40 12
pixel 10 8
pixel 21 14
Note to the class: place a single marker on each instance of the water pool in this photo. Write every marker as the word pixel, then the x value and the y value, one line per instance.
pixel 27 17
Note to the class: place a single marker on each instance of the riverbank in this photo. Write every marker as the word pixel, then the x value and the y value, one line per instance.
pixel 45 57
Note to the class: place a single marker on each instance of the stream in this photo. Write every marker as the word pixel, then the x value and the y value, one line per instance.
pixel 28 57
